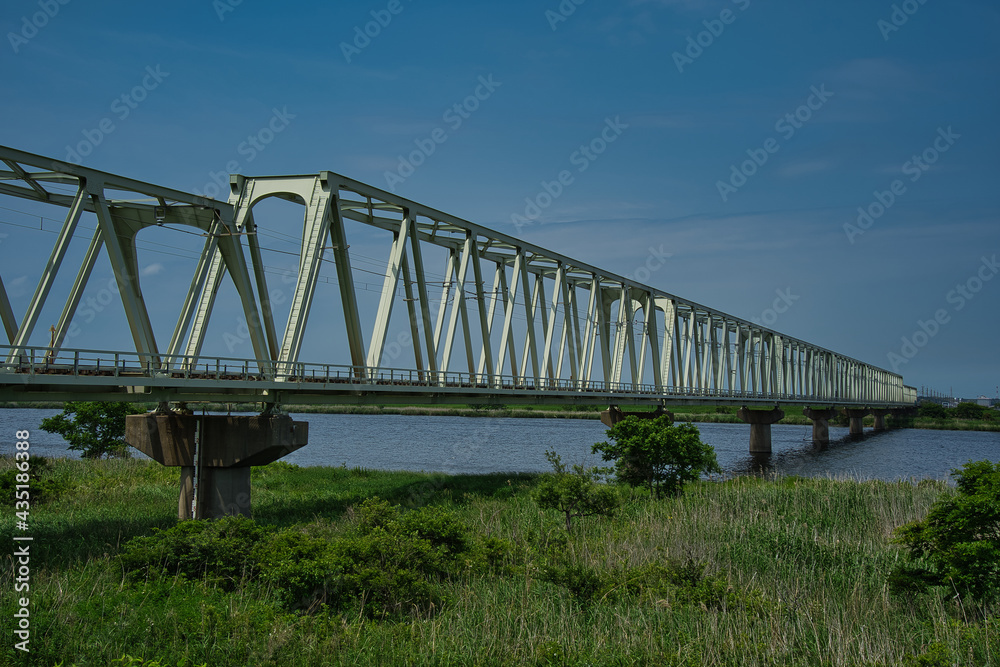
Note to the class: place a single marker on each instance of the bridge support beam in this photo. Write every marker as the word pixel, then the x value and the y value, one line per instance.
pixel 614 414
pixel 214 453
pixel 880 419
pixel 821 424
pixel 760 427
pixel 856 416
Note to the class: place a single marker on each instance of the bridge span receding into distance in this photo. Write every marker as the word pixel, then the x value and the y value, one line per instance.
pixel 504 321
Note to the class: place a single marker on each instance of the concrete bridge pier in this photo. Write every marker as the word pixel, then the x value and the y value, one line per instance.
pixel 214 453
pixel 821 424
pixel 880 419
pixel 614 414
pixel 856 416
pixel 760 427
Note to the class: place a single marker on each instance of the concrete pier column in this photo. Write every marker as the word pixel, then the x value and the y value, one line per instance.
pixel 221 448
pixel 221 492
pixel 821 424
pixel 856 416
pixel 614 414
pixel 880 419
pixel 760 427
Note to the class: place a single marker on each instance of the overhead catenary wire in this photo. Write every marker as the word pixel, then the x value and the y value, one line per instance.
pixel 559 310
pixel 188 254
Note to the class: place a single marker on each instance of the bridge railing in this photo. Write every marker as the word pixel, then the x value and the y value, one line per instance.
pixel 105 363
pixel 131 366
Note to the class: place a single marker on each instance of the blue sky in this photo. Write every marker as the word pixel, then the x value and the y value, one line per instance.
pixel 740 137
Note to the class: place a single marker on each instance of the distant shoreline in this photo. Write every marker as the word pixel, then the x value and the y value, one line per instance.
pixel 700 414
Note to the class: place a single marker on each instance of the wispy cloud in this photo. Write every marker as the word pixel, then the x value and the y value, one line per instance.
pixel 18 287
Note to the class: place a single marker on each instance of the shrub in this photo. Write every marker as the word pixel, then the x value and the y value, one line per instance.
pixel 439 527
pixel 672 580
pixel 575 493
pixel 657 454
pixel 386 562
pixel 220 551
pixel 958 543
pixel 583 582
pixel 44 486
pixel 680 581
pixel 968 410
pixel 302 568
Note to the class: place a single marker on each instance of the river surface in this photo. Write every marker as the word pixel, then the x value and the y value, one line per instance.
pixel 486 444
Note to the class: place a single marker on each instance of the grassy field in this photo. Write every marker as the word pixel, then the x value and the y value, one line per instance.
pixel 745 571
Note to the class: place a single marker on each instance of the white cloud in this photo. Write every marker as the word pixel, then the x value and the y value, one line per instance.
pixel 17 287
pixel 152 269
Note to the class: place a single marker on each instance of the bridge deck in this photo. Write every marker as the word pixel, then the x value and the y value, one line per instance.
pixel 41 374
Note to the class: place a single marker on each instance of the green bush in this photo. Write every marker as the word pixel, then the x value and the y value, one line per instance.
pixel 44 486
pixel 383 563
pixel 682 581
pixel 657 454
pixel 957 544
pixel 219 551
pixel 302 568
pixel 967 410
pixel 937 655
pixel 438 526
pixel 583 582
pixel 575 492
pixel 674 581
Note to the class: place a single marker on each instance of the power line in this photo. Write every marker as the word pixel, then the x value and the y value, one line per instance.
pixel 184 253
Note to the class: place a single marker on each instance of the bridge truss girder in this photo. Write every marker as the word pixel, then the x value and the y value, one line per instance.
pixel 505 304
pixel 119 221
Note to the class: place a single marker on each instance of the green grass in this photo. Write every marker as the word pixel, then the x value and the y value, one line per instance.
pixel 793 573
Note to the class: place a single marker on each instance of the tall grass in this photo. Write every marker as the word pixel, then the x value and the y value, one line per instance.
pixel 802 563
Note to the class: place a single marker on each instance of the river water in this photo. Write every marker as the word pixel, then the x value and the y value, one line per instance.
pixel 486 444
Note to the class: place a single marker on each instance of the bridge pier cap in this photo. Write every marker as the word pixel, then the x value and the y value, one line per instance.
pixel 856 417
pixel 880 415
pixel 760 427
pixel 222 448
pixel 821 424
pixel 614 414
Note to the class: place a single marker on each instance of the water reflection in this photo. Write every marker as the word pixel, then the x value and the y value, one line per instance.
pixel 836 459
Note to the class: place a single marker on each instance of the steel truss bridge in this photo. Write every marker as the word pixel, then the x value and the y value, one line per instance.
pixel 512 322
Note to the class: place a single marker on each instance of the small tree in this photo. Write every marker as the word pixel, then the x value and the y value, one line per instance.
pixel 657 454
pixel 958 543
pixel 93 429
pixel 575 492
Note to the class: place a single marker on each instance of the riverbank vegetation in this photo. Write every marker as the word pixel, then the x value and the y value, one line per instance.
pixel 351 566
pixel 936 417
